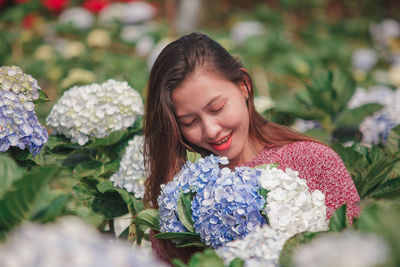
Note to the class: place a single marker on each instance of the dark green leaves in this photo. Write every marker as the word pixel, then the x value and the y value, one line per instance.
pixel 339 220
pixel 18 203
pixel 185 211
pixel 149 218
pixel 206 258
pixel 9 173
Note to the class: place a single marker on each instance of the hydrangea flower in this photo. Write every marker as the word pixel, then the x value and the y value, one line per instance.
pixel 348 248
pixel 291 208
pixel 131 174
pixel 19 126
pixel 229 207
pixel 95 111
pixel 12 79
pixel 261 247
pixel 192 178
pixel 375 129
pixel 69 242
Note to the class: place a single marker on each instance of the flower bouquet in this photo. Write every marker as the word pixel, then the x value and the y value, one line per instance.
pixel 234 211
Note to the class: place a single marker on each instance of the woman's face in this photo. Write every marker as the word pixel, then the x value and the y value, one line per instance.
pixel 212 114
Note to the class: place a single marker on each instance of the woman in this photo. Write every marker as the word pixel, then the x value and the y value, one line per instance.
pixel 201 99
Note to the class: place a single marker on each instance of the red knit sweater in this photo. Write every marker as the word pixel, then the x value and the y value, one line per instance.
pixel 319 165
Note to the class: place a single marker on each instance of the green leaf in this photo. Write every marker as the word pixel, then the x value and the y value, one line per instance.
pixel 236 262
pixel 148 217
pixel 189 243
pixel 355 116
pixel 105 185
pixel 110 204
pixel 208 257
pixel 393 141
pixel 43 98
pixel 9 173
pixel 94 168
pixel 193 156
pixel 109 140
pixel 125 234
pixel 388 190
pixel 339 221
pixel 60 141
pixel 88 169
pixel 173 235
pixel 52 210
pixel 17 205
pixel 285 257
pixel 185 212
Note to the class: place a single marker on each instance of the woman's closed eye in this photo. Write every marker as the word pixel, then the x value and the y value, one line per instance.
pixel 217 108
pixel 187 124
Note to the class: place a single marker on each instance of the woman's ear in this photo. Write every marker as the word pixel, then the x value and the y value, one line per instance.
pixel 245 84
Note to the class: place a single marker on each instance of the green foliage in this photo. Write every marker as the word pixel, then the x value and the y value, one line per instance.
pixel 325 100
pixel 9 173
pixel 19 200
pixel 185 211
pixel 149 218
pixel 192 156
pixel 206 258
pixel 339 220
pixel 371 170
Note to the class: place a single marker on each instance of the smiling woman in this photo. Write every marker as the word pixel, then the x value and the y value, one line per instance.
pixel 201 99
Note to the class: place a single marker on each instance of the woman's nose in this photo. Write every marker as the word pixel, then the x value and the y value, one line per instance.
pixel 211 129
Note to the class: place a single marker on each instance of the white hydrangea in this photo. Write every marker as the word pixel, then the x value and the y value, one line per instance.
pixel 69 242
pixel 131 174
pixel 95 111
pixel 261 247
pixel 364 59
pixel 79 17
pixel 12 79
pixel 291 208
pixel 138 12
pixel 244 30
pixel 346 249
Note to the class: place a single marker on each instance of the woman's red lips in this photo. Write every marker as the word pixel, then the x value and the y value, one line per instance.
pixel 223 144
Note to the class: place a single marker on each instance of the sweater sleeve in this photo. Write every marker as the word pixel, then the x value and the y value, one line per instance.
pixel 324 170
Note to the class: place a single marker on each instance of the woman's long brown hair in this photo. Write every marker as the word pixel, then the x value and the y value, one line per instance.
pixel 165 147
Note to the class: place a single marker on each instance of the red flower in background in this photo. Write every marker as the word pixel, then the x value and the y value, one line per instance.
pixel 95 6
pixel 55 5
pixel 28 21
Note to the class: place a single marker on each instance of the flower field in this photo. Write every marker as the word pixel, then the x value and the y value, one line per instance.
pixel 73 77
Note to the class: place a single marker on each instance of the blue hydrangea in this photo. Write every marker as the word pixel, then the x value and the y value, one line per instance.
pixel 229 207
pixel 192 178
pixel 19 126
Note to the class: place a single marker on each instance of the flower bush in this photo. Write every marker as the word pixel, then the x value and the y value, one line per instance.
pixel 94 111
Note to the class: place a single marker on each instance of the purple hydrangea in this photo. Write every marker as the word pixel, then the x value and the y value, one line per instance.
pixel 193 177
pixel 19 126
pixel 229 207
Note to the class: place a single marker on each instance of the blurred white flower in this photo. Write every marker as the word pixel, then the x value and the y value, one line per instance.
pixel 111 13
pixel 73 49
pixel 377 94
pixel 244 30
pixel 144 45
pixel 346 249
pixel 69 242
pixel 131 173
pixel 263 103
pixel 79 17
pixel 137 12
pixel 305 125
pixel 261 247
pixel 78 76
pixel 98 38
pixel 364 59
pixel 45 52
pixel 156 51
pixel 95 111
pixel 132 33
pixel 385 31
pixel 394 75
